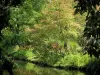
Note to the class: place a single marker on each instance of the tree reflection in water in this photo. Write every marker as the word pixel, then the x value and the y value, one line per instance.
pixel 32 69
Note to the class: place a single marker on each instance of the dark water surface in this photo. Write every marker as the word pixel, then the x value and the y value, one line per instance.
pixel 24 68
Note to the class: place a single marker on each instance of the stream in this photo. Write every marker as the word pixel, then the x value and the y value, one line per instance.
pixel 24 68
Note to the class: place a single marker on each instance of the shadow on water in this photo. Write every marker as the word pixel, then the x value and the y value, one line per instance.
pixel 93 67
pixel 6 65
pixel 24 68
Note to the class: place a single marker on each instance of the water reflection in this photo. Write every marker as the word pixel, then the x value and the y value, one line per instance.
pixel 32 69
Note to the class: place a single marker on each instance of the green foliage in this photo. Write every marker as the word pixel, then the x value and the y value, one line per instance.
pixel 38 5
pixel 74 60
pixel 50 57
pixel 34 30
pixel 21 19
pixel 24 15
pixel 37 25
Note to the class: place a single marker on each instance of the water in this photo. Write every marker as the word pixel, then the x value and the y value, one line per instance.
pixel 24 68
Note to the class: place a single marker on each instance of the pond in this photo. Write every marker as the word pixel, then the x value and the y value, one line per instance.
pixel 24 68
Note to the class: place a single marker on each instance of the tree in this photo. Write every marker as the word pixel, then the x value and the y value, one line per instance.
pixel 14 15
pixel 92 27
pixel 5 6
